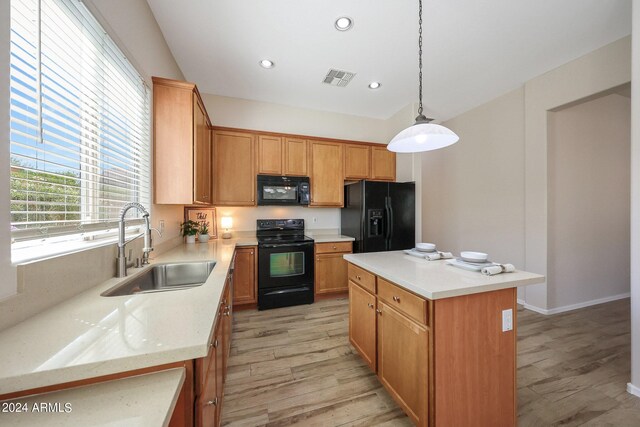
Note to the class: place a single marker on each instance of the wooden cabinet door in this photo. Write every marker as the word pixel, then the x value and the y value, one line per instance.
pixel 383 164
pixel 245 276
pixel 403 361
pixel 226 327
pixel 330 273
pixel 269 155
pixel 219 371
pixel 234 169
pixel 327 184
pixel 357 160
pixel 295 157
pixel 201 155
pixel 362 323
pixel 208 400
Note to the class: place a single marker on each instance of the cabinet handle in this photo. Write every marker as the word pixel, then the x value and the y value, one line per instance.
pixel 358 277
pixel 396 299
pixel 370 305
pixel 334 247
pixel 379 311
pixel 215 343
pixel 227 312
pixel 213 402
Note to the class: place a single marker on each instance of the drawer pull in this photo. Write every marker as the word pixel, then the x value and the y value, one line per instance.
pixel 215 343
pixel 213 402
pixel 358 277
pixel 334 247
pixel 370 305
pixel 396 299
pixel 379 311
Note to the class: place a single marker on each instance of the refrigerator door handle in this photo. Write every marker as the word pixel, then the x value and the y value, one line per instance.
pixel 390 222
pixel 387 221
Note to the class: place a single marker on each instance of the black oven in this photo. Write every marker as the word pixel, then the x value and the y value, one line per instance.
pixel 283 190
pixel 285 264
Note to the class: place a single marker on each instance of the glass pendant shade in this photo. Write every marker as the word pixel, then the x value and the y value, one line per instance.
pixel 422 137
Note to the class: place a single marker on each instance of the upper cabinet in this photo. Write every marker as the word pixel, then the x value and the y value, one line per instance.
pixel 270 155
pixel 181 144
pixel 234 168
pixel 357 161
pixel 383 164
pixel 325 160
pixel 295 157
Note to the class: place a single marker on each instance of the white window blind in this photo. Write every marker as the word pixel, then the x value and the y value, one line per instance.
pixel 80 114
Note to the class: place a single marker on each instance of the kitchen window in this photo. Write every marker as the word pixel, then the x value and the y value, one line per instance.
pixel 80 134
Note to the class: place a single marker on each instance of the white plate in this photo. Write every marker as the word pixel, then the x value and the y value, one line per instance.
pixel 415 253
pixel 425 247
pixel 468 266
pixel 477 257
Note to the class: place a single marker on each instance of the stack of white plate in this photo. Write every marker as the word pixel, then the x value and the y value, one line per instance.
pixel 474 261
pixel 425 247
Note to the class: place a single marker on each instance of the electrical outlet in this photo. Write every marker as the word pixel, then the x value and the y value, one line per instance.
pixel 507 320
pixel 161 225
pixel 315 219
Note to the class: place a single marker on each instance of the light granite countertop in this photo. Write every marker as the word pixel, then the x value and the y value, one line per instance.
pixel 436 279
pixel 89 335
pixel 141 401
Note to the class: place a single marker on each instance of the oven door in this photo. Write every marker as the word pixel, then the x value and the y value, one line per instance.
pixel 287 265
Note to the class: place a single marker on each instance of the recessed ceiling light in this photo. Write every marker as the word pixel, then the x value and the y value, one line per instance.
pixel 265 63
pixel 374 85
pixel 344 23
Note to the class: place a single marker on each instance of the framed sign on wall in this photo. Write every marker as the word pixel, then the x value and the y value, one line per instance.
pixel 203 216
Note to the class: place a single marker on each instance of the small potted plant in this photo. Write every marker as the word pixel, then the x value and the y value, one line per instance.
pixel 203 237
pixel 189 230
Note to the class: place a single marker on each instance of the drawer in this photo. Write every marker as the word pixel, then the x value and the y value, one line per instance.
pixel 404 301
pixel 362 278
pixel 333 247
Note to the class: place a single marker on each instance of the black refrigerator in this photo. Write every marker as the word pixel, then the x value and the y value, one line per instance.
pixel 381 216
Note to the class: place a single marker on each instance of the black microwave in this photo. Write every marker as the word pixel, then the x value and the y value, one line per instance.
pixel 283 190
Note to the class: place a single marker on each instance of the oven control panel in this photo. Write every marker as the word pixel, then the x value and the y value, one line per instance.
pixel 280 224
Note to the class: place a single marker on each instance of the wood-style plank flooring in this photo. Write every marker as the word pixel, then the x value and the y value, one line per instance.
pixel 294 366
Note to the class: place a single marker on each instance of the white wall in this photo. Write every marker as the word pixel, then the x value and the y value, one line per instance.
pixel 588 222
pixel 634 385
pixel 596 72
pixel 472 197
pixel 8 279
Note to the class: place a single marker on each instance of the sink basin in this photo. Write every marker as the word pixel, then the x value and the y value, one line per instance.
pixel 165 277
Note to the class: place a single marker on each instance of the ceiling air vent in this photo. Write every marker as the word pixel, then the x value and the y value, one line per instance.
pixel 338 77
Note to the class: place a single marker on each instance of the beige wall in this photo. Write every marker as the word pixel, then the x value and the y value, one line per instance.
pixel 596 72
pixel 48 282
pixel 244 218
pixel 472 197
pixel 634 385
pixel 246 114
pixel 588 222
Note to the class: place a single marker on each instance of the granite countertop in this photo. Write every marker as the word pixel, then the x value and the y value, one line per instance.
pixel 436 279
pixel 89 335
pixel 143 400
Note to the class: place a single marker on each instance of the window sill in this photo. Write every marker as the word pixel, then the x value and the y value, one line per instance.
pixel 52 250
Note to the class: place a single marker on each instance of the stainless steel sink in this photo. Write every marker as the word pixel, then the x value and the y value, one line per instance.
pixel 164 277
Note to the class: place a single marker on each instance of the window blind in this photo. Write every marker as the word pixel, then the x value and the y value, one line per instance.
pixel 80 137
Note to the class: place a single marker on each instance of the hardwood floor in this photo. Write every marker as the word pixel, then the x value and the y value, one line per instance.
pixel 294 366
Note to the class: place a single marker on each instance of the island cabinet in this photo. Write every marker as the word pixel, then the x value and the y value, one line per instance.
pixel 330 267
pixel 181 144
pixel 234 168
pixel 327 183
pixel 245 276
pixel 446 362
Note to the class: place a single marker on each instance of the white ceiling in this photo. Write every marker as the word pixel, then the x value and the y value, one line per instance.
pixel 473 50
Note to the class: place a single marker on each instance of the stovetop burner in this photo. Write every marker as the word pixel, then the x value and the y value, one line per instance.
pixel 281 231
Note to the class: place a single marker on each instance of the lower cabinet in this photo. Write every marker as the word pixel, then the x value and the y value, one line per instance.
pixel 245 279
pixel 331 268
pixel 403 361
pixel 362 323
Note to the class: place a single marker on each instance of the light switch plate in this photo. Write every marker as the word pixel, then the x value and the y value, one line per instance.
pixel 507 320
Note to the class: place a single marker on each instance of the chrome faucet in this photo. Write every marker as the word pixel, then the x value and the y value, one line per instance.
pixel 122 259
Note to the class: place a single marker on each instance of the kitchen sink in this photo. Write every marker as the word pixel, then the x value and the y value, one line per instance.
pixel 164 277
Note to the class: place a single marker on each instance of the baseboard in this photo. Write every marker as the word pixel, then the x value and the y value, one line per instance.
pixel 572 307
pixel 631 389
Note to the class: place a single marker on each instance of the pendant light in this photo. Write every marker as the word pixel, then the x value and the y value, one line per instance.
pixel 422 135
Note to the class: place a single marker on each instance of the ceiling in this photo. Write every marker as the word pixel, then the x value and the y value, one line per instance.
pixel 473 50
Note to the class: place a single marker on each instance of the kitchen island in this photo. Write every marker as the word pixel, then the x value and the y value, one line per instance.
pixel 442 340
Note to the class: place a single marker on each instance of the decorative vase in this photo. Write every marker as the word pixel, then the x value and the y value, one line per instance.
pixel 203 238
pixel 191 238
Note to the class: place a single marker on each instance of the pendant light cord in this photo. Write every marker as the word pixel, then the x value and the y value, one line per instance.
pixel 420 57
